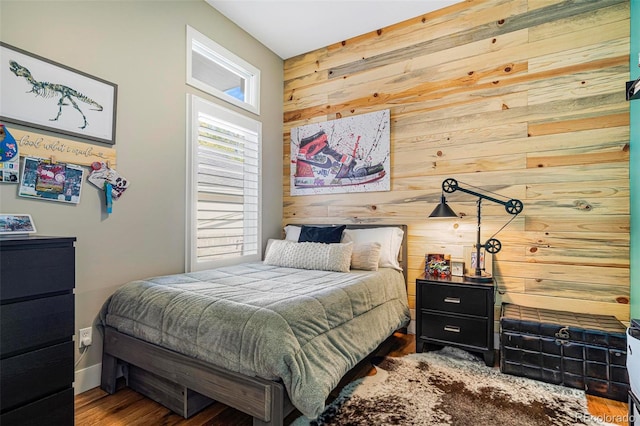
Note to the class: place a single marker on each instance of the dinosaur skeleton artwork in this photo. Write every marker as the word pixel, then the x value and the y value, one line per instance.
pixel 50 90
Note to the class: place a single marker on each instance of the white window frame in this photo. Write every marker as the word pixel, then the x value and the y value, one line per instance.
pixel 228 60
pixel 196 104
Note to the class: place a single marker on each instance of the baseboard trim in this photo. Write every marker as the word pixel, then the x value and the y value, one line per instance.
pixel 411 328
pixel 87 378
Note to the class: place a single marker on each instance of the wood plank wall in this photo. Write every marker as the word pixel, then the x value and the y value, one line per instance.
pixel 524 98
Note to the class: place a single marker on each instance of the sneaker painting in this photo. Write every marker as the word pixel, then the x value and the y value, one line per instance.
pixel 345 155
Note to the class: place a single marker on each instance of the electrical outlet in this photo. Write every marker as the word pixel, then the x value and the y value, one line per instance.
pixel 84 337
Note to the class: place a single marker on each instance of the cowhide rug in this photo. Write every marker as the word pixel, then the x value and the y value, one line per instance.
pixel 451 387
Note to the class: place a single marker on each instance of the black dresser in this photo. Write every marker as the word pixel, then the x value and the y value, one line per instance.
pixel 37 278
pixel 454 312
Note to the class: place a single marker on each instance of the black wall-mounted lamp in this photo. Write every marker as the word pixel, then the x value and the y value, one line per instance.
pixel 492 245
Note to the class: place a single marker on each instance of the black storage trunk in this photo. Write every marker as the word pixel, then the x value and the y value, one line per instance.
pixel 576 350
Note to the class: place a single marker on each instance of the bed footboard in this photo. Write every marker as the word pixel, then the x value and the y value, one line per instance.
pixel 266 401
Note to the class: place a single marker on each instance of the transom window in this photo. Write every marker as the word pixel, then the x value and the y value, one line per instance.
pixel 219 72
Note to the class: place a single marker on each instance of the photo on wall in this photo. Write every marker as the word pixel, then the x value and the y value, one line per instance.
pixel 342 156
pixel 47 180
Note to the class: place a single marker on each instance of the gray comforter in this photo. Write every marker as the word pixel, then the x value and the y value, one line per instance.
pixel 305 327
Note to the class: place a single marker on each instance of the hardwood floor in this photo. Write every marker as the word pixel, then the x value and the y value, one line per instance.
pixel 128 408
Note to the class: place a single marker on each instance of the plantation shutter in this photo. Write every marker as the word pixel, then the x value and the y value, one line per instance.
pixel 227 189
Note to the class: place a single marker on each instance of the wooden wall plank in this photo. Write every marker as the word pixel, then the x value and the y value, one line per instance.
pixel 598 223
pixel 573 290
pixel 589 53
pixel 603 188
pixel 618 310
pixel 554 127
pixel 615 13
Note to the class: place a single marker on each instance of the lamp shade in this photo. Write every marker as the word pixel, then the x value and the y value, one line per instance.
pixel 443 209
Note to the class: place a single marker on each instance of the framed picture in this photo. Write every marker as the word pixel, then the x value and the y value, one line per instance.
pixel 42 94
pixel 345 155
pixel 437 264
pixel 16 224
pixel 474 259
pixel 457 268
pixel 486 260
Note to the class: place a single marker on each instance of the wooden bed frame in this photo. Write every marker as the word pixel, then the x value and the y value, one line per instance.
pixel 186 385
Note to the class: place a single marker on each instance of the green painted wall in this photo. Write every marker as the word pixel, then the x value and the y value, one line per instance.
pixel 634 163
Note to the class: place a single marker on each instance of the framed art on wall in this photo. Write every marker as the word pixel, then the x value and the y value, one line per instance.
pixel 39 93
pixel 346 155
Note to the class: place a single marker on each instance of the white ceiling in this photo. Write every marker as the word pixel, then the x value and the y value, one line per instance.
pixel 292 27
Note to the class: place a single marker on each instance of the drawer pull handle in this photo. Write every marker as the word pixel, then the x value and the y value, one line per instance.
pixel 452 328
pixel 452 300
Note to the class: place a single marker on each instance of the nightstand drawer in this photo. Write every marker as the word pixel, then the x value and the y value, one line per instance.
pixel 454 329
pixel 455 299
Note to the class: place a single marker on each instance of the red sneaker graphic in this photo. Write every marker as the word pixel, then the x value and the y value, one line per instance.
pixel 319 165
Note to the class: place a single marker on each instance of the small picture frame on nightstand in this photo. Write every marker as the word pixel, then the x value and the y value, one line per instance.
pixel 457 268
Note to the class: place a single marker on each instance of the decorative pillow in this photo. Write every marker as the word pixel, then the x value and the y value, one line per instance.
pixel 321 234
pixel 318 256
pixel 292 232
pixel 389 238
pixel 268 247
pixel 365 256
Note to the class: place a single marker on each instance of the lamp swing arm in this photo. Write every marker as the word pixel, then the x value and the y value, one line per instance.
pixel 511 206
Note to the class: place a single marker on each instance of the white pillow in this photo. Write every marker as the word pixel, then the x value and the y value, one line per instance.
pixel 365 256
pixel 389 238
pixel 317 256
pixel 292 232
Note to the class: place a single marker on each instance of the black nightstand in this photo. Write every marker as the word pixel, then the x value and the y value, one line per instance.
pixel 455 312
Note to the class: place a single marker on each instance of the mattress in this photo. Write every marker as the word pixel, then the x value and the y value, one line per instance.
pixel 304 327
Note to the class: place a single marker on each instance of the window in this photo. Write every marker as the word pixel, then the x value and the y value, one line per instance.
pixel 217 71
pixel 223 190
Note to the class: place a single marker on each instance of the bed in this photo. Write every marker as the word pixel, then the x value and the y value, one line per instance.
pixel 263 337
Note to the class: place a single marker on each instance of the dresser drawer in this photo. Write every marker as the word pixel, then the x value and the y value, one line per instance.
pixel 454 329
pixel 56 409
pixel 35 323
pixel 454 299
pixel 27 273
pixel 33 375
